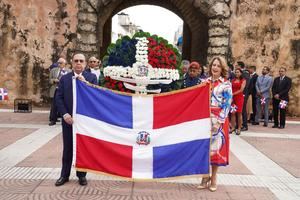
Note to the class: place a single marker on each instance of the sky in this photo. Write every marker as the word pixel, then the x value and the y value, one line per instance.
pixel 155 19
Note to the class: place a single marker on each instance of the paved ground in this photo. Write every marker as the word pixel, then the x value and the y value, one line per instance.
pixel 264 164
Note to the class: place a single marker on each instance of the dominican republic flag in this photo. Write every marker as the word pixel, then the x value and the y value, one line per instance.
pixel 283 104
pixel 233 108
pixel 141 137
pixel 263 101
pixel 3 94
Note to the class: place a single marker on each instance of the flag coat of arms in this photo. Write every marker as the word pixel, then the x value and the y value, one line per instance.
pixel 3 94
pixel 141 137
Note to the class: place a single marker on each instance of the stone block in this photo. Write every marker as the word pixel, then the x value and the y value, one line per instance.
pixel 86 47
pixel 88 38
pixel 92 17
pixel 219 9
pixel 218 41
pixel 220 22
pixel 85 6
pixel 217 50
pixel 87 27
pixel 217 31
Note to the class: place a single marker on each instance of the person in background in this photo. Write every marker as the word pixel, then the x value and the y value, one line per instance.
pixel 221 97
pixel 185 64
pixel 230 72
pixel 238 85
pixel 246 76
pixel 280 92
pixel 53 65
pixel 263 86
pixel 202 74
pixel 192 77
pixel 94 67
pixel 64 102
pixel 252 90
pixel 55 74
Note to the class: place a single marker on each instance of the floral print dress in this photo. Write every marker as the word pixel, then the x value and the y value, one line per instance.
pixel 221 97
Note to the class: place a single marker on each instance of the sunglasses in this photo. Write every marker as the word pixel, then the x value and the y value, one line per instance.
pixel 93 61
pixel 78 61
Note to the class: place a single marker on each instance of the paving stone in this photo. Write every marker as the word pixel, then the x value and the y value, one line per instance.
pixel 35 175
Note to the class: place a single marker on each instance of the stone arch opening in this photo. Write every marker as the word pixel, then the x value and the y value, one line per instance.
pixel 205 32
pixel 195 33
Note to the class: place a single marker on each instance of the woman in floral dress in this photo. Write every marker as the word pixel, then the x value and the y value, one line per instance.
pixel 221 97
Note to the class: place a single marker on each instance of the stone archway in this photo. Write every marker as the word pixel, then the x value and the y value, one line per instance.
pixel 206 25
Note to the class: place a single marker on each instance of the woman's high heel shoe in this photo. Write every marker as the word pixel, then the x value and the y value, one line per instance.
pixel 231 131
pixel 238 132
pixel 204 183
pixel 212 188
pixel 213 185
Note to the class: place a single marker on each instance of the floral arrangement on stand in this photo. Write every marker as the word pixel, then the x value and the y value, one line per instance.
pixel 128 55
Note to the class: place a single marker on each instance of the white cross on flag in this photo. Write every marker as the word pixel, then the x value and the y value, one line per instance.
pixel 283 104
pixel 263 101
pixel 233 108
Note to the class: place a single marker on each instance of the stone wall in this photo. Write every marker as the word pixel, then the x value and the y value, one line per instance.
pixel 34 33
pixel 267 33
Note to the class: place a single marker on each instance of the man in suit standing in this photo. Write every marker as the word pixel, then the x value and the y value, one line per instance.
pixel 55 75
pixel 280 91
pixel 263 86
pixel 94 66
pixel 65 107
pixel 252 90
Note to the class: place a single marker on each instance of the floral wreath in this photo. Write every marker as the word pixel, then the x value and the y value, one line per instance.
pixel 124 58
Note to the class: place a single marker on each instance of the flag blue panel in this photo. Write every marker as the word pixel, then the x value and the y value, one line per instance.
pixel 181 159
pixel 104 105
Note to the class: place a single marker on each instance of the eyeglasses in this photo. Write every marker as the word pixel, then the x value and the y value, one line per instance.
pixel 78 61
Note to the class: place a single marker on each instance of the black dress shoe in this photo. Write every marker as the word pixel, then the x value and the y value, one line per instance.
pixel 255 123
pixel 61 181
pixel 275 126
pixel 52 123
pixel 244 128
pixel 82 181
pixel 265 125
pixel 281 127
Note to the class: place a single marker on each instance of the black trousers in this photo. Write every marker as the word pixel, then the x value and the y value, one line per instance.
pixel 252 118
pixel 53 110
pixel 281 112
pixel 244 114
pixel 68 152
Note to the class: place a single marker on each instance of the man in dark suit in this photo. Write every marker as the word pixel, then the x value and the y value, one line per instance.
pixel 64 102
pixel 252 90
pixel 280 91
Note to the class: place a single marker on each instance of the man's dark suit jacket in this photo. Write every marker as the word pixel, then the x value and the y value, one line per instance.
pixel 282 88
pixel 64 98
pixel 252 88
pixel 246 76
